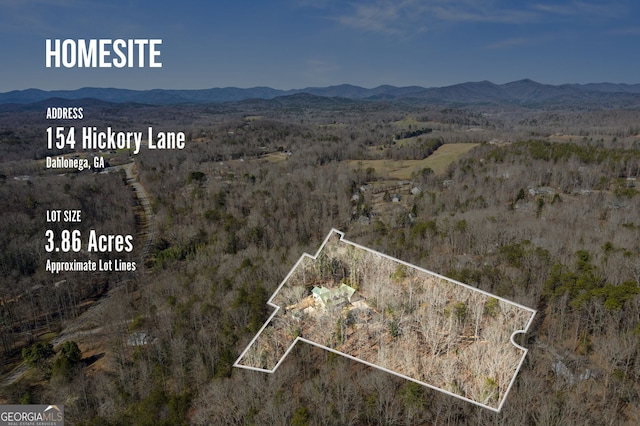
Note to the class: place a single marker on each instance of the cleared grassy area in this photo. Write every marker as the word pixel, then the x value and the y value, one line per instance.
pixel 409 121
pixel 403 169
pixel 565 138
pixel 408 141
pixel 274 157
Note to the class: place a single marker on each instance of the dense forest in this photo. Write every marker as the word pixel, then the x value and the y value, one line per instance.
pixel 543 209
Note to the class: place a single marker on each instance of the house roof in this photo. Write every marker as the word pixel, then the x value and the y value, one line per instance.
pixel 333 296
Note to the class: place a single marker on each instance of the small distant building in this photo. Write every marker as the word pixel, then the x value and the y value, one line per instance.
pixel 364 220
pixel 138 339
pixel 583 191
pixel 543 190
pixel 329 297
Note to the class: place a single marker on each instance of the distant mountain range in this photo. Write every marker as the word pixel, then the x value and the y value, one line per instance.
pixel 523 92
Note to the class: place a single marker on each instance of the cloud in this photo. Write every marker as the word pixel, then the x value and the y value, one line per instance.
pixel 382 16
pixel 462 11
pixel 400 17
pixel 554 9
pixel 551 37
pixel 580 8
pixel 518 41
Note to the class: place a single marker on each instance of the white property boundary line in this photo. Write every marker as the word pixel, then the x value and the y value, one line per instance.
pixel 314 257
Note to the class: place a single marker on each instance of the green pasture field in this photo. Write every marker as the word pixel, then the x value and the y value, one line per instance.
pixel 404 169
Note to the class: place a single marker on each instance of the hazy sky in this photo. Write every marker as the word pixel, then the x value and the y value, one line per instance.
pixel 290 44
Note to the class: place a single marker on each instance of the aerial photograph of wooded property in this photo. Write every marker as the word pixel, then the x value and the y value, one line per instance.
pixel 546 219
pixel 322 213
pixel 391 315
